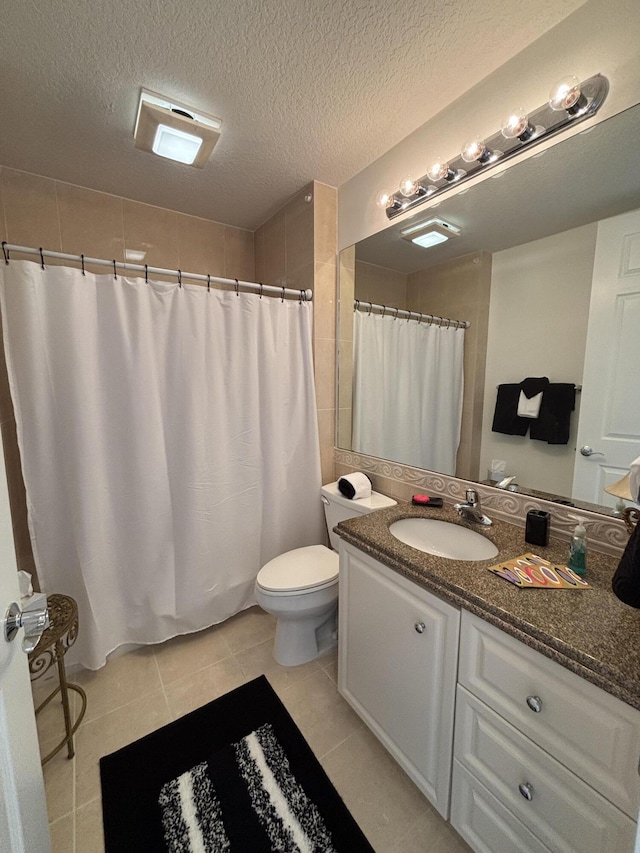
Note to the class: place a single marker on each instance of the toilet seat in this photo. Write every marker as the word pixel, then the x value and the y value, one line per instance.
pixel 302 570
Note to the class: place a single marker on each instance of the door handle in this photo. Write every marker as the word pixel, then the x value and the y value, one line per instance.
pixel 585 450
pixel 34 619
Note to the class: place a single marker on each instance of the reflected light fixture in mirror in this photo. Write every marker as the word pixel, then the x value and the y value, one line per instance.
pixel 569 102
pixel 430 233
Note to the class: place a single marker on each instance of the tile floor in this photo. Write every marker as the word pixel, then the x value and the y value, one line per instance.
pixel 145 689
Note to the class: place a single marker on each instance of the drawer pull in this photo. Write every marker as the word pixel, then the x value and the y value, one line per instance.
pixel 420 627
pixel 535 703
pixel 526 789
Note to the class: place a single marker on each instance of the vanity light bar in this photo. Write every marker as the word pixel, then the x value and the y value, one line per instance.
pixel 570 102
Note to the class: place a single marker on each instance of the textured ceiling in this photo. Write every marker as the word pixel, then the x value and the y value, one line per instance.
pixel 306 90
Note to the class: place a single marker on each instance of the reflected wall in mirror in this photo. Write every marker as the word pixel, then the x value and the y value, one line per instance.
pixel 521 273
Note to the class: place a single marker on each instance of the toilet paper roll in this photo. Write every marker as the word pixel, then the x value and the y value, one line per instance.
pixel 354 486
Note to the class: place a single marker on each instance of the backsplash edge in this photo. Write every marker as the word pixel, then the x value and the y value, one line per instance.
pixel 605 535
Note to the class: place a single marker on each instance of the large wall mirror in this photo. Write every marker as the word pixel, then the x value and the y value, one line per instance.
pixel 520 272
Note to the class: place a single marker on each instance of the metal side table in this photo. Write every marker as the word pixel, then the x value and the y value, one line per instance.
pixel 51 649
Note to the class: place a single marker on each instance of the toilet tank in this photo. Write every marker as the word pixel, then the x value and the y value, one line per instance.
pixel 338 508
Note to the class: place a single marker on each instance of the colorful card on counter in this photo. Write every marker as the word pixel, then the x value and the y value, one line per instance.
pixel 530 571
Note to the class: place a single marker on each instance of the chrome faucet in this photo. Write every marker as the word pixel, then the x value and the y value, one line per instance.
pixel 471 509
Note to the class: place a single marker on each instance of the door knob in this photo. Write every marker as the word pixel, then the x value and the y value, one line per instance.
pixel 585 450
pixel 34 619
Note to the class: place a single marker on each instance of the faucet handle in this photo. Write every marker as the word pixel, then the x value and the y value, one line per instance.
pixel 472 496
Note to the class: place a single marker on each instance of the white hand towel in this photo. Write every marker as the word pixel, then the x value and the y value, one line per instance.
pixel 529 407
pixel 354 486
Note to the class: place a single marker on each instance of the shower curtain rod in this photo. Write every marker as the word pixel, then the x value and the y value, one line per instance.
pixel 257 287
pixel 364 305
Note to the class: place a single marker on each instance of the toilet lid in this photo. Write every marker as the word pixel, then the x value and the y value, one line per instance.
pixel 302 568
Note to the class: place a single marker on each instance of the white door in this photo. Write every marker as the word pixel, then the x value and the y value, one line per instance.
pixel 23 809
pixel 610 404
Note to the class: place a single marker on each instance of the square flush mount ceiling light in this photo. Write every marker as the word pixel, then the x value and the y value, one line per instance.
pixel 430 233
pixel 174 130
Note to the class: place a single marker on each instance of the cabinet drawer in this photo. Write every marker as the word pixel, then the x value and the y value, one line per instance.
pixel 483 821
pixel 564 813
pixel 591 732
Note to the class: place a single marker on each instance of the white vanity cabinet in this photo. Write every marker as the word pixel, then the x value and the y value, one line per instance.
pixel 543 760
pixel 397 667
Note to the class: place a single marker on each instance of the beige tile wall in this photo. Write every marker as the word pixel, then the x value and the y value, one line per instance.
pixel 296 247
pixel 346 291
pixel 380 285
pixel 36 211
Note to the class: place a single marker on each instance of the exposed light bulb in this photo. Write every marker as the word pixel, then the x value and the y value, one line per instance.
pixel 384 199
pixel 477 151
pixel 516 126
pixel 440 170
pixel 566 95
pixel 408 187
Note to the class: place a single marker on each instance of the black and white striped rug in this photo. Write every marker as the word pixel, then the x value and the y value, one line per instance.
pixel 235 776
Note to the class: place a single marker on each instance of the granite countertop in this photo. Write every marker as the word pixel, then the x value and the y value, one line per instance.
pixel 588 631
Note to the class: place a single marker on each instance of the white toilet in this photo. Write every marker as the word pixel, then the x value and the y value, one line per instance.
pixel 300 587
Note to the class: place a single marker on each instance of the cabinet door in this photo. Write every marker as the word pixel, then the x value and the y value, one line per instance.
pixel 397 667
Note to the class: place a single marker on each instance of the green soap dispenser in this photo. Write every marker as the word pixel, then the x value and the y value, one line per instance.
pixel 578 548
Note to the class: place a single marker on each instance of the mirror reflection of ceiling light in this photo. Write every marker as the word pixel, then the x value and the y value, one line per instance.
pixel 430 233
pixel 175 131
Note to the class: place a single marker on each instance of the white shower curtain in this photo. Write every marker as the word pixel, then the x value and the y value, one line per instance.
pixel 169 445
pixel 407 391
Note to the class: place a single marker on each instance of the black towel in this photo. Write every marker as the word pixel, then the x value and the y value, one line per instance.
pixel 533 385
pixel 505 418
pixel 626 581
pixel 553 422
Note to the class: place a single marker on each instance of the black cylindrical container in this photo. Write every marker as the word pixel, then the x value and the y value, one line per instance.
pixel 537 527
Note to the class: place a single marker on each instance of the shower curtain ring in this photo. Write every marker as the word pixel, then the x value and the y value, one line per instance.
pixel 236 287
pixel 261 289
pixel 41 257
pixel 5 251
pixel 356 306
pixel 409 317
pixel 395 316
pixel 115 275
pixel 208 282
pixel 370 308
pixel 282 297
pixel 384 308
pixel 179 278
pixel 146 274
pixel 82 262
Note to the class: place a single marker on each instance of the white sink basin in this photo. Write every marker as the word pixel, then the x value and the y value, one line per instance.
pixel 443 539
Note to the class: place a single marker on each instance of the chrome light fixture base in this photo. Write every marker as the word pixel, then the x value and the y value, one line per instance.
pixel 545 121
